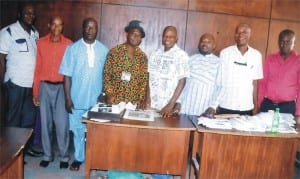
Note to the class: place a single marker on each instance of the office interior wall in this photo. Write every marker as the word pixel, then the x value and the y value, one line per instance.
pixel 191 17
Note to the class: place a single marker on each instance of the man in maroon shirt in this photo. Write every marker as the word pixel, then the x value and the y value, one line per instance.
pixel 48 92
pixel 280 87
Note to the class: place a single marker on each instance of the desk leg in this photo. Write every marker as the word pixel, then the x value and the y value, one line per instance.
pixel 194 168
pixel 20 164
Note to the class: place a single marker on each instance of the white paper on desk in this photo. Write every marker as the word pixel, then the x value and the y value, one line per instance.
pixel 117 108
pixel 247 123
pixel 99 120
pixel 285 128
pixel 267 118
pixel 214 123
pixel 138 115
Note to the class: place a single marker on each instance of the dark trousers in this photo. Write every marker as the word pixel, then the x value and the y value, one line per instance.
pixel 229 111
pixel 2 105
pixel 284 107
pixel 21 111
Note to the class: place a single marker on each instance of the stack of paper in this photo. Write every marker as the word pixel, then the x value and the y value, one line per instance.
pixel 215 123
pixel 261 122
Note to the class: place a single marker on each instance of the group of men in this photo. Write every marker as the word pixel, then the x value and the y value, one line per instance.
pixel 65 79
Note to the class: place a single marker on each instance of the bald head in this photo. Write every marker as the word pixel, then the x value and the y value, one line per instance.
pixel 170 28
pixel 89 20
pixel 56 18
pixel 55 26
pixel 90 30
pixel 169 38
pixel 243 25
pixel 242 34
pixel 207 44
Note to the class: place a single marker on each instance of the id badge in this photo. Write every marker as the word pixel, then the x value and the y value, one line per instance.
pixel 125 76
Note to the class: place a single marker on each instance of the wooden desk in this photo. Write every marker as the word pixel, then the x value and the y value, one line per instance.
pixel 150 147
pixel 12 142
pixel 234 154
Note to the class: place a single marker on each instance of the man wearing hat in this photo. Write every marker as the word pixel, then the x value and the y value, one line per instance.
pixel 125 70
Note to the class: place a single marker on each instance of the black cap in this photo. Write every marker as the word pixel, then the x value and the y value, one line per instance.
pixel 135 24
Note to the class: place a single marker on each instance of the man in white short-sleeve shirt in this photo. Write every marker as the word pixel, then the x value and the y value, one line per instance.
pixel 242 68
pixel 17 61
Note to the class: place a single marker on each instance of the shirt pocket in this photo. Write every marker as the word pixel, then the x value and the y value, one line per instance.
pixel 22 45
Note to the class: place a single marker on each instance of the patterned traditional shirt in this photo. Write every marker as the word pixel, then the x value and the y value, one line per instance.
pixel 165 70
pixel 118 62
pixel 203 87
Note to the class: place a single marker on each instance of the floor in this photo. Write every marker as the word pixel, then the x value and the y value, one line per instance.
pixel 32 170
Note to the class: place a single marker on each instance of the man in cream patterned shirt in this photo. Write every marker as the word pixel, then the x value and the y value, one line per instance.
pixel 168 69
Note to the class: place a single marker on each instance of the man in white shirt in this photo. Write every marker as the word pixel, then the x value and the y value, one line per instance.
pixel 17 63
pixel 241 69
pixel 168 69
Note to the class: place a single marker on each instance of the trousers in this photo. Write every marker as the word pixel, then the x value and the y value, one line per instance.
pixel 54 115
pixel 284 107
pixel 78 128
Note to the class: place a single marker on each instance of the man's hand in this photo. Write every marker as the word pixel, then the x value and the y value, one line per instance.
pixel 36 101
pixel 145 104
pixel 110 99
pixel 69 105
pixel 255 110
pixel 102 98
pixel 176 109
pixel 210 112
pixel 167 111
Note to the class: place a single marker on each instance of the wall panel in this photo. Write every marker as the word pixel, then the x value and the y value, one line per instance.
pixel 72 13
pixel 191 17
pixel 255 8
pixel 286 10
pixel 116 17
pixel 174 4
pixel 275 28
pixel 223 28
pixel 8 12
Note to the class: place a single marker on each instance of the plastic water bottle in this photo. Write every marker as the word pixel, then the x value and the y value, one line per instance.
pixel 275 123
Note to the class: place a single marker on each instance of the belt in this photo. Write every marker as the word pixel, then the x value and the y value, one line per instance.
pixel 54 82
pixel 279 103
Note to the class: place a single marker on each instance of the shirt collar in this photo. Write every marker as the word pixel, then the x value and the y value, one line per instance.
pixel 175 47
pixel 293 53
pixel 32 28
pixel 88 45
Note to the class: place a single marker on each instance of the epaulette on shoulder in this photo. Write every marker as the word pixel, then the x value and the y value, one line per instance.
pixel 33 29
pixel 9 31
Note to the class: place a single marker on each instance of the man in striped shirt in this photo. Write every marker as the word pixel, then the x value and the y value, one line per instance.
pixel 202 90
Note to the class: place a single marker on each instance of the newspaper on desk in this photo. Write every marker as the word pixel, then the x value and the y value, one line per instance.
pixel 140 115
pixel 262 122
pixel 113 109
